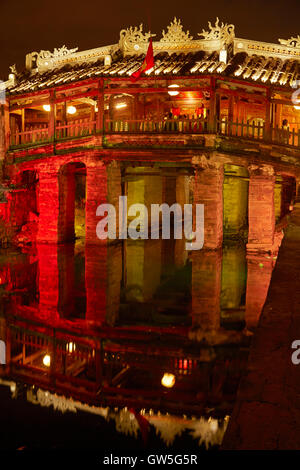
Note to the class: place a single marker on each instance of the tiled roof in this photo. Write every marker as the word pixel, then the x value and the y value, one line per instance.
pixel 252 68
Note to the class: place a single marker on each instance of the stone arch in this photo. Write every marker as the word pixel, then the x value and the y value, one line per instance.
pixel 27 180
pixel 284 194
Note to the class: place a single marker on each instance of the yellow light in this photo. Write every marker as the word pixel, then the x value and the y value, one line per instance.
pixel 46 107
pixel 71 110
pixel 173 92
pixel 71 347
pixel 47 360
pixel 168 380
pixel 213 423
pixel 121 105
pixel 297 107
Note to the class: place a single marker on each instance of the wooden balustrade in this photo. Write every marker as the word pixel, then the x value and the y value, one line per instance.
pixel 184 126
pixel 32 135
pixel 78 128
pixel 251 130
pixel 36 135
pixel 85 127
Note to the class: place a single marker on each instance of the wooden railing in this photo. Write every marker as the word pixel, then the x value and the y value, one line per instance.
pixel 32 135
pixel 78 128
pixel 85 127
pixel 184 126
pixel 35 135
pixel 259 131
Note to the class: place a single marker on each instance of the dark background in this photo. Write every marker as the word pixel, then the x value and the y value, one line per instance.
pixel 32 25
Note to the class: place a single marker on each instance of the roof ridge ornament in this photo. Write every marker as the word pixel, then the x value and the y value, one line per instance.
pixel 292 42
pixel 133 40
pixel 218 32
pixel 47 58
pixel 13 69
pixel 175 33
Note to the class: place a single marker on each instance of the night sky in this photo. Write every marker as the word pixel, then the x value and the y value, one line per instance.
pixel 32 25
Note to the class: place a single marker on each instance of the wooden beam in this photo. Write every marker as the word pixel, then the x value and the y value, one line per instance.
pixel 241 94
pixel 100 105
pixel 285 102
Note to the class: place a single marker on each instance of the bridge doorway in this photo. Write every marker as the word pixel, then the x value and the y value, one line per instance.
pixel 72 199
pixel 235 202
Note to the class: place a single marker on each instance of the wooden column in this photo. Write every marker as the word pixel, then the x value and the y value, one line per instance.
pixel 268 116
pixel 230 108
pixel 278 115
pixel 212 106
pixel 93 117
pixel 4 130
pixel 52 116
pixel 23 120
pixel 100 105
pixel 64 113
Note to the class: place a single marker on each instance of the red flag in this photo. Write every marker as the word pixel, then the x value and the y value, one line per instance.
pixel 146 65
pixel 143 424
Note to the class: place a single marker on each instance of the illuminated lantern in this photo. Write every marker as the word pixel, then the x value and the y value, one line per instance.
pixel 46 107
pixel 47 360
pixel 173 92
pixel 71 110
pixel 70 347
pixel 168 380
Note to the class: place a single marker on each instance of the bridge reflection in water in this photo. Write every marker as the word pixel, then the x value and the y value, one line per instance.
pixel 143 332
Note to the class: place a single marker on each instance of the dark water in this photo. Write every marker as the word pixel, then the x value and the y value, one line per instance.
pixel 93 335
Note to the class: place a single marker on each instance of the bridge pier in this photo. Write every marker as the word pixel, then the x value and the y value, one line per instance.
pixel 96 194
pixel 48 282
pixel 48 205
pixel 206 289
pixel 259 272
pixel 96 283
pixel 208 190
pixel 261 210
